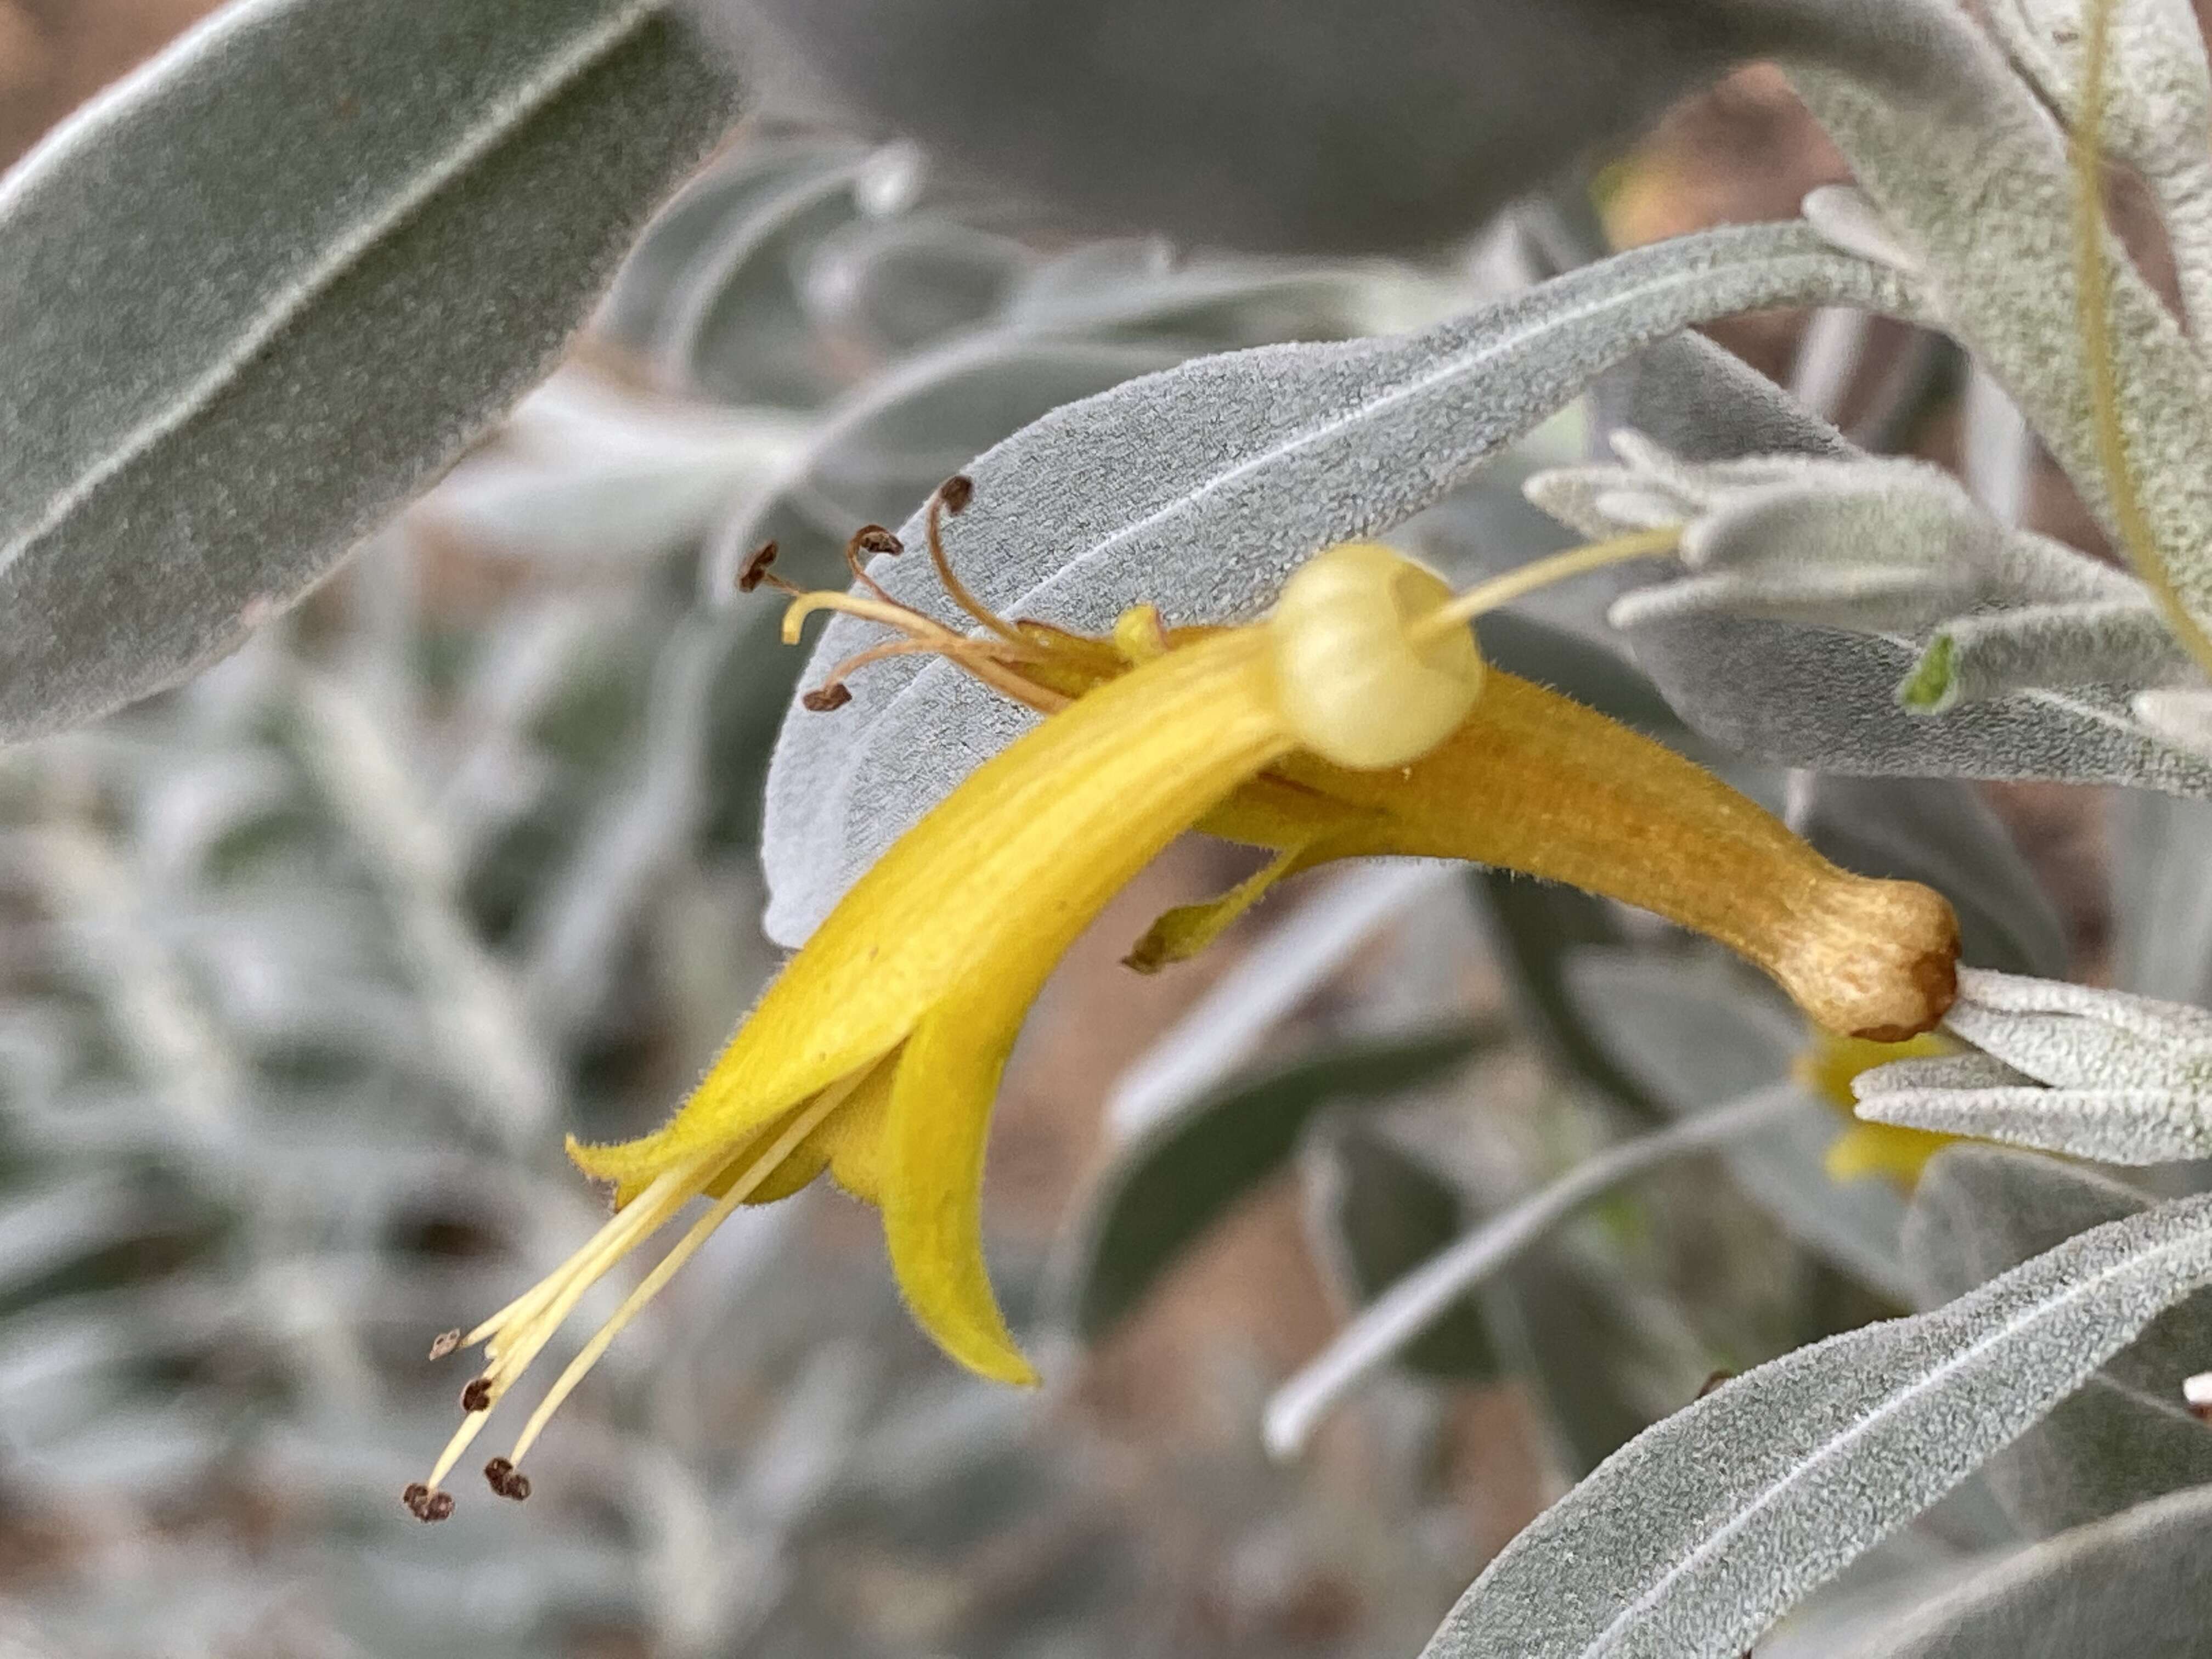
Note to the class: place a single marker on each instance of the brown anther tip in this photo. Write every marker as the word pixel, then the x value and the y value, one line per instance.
pixel 2203 1413
pixel 754 571
pixel 506 1480
pixel 828 698
pixel 424 1504
pixel 956 492
pixel 446 1344
pixel 872 538
pixel 477 1397
pixel 1714 1381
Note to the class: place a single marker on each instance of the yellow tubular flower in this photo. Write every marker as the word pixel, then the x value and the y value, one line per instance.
pixel 1827 1069
pixel 1356 718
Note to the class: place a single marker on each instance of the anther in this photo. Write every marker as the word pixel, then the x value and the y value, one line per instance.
pixel 506 1480
pixel 754 571
pixel 477 1397
pixel 828 698
pixel 956 492
pixel 874 538
pixel 1717 1380
pixel 446 1344
pixel 425 1504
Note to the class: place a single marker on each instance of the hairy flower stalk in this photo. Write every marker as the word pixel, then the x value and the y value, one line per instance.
pixel 1358 718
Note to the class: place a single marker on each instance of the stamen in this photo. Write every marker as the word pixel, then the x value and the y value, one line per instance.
pixel 891 615
pixel 477 1397
pixel 614 1235
pixel 514 1335
pixel 506 1480
pixel 980 658
pixel 755 570
pixel 740 1190
pixel 425 1502
pixel 871 539
pixel 1542 573
pixel 446 1343
pixel 953 497
pixel 1140 634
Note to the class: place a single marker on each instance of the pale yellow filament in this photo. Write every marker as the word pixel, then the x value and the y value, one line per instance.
pixel 740 1190
pixel 1542 573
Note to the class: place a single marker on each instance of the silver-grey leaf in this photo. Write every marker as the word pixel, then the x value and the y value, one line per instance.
pixel 2139 1584
pixel 270 286
pixel 1691 1540
pixel 2158 108
pixel 1971 173
pixel 2109 1124
pixel 1816 697
pixel 1820 698
pixel 1696 1034
pixel 2125 1080
pixel 2161 902
pixel 1981 1211
pixel 1394 123
pixel 1974 657
pixel 2181 717
pixel 1201 488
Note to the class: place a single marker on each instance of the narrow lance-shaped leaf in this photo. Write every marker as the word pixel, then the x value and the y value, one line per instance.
pixel 2128 1436
pixel 1388 124
pixel 264 290
pixel 1823 698
pixel 1200 488
pixel 1971 173
pixel 1697 1535
pixel 2136 1585
pixel 2066 1068
pixel 1180 1176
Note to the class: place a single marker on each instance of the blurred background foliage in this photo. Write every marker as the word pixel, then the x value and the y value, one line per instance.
pixel 305 967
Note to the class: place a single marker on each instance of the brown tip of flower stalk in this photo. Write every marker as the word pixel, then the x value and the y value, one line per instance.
pixel 506 1480
pixel 828 698
pixel 1874 959
pixel 956 492
pixel 426 1504
pixel 446 1342
pixel 477 1397
pixel 754 571
pixel 874 538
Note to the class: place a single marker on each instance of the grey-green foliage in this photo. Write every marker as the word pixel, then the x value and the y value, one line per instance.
pixel 1168 1186
pixel 2158 108
pixel 2161 904
pixel 2139 1583
pixel 1823 698
pixel 1886 547
pixel 2126 1436
pixel 1698 1035
pixel 1261 459
pixel 1404 123
pixel 1969 173
pixel 2066 1068
pixel 320 953
pixel 266 290
pixel 1693 1538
